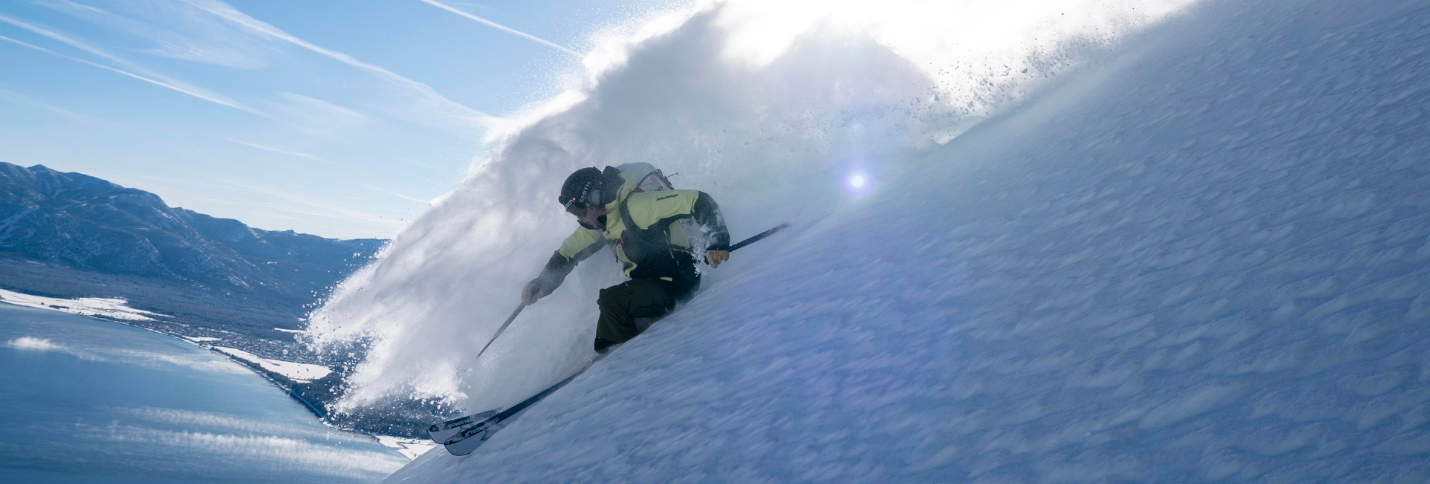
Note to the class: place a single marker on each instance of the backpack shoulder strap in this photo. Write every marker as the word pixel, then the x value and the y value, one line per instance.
pixel 626 216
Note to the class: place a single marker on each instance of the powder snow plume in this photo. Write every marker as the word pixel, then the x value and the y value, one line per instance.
pixel 782 111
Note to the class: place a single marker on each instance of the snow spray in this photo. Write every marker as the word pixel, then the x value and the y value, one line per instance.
pixel 771 107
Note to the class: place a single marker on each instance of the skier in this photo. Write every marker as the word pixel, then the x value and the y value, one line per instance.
pixel 652 229
pixel 646 231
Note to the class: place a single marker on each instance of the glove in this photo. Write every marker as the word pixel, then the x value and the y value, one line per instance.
pixel 534 290
pixel 715 257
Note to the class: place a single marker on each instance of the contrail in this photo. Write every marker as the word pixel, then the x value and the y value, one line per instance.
pixel 534 38
pixel 213 98
pixel 64 39
pixel 285 152
pixel 418 89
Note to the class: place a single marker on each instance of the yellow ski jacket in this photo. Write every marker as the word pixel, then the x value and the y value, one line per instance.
pixel 657 248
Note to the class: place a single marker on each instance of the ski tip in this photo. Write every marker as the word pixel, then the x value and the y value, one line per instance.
pixel 469 444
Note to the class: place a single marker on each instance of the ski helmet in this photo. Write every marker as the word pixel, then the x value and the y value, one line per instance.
pixel 581 188
pixel 590 187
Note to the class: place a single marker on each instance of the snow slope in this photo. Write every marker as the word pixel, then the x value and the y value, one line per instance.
pixel 767 105
pixel 1204 262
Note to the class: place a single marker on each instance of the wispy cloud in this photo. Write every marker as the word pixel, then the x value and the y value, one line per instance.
pixel 196 38
pixel 141 73
pixel 201 362
pixel 305 207
pixel 429 99
pixel 62 38
pixel 503 28
pixel 222 422
pixel 398 195
pixel 29 343
pixel 278 452
pixel 298 154
pixel 317 116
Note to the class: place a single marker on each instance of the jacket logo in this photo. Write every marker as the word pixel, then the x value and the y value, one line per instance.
pixel 673 195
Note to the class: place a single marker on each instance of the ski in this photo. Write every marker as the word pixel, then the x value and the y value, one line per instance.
pixel 463 435
pixel 444 431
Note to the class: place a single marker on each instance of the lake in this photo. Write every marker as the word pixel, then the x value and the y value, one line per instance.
pixel 89 401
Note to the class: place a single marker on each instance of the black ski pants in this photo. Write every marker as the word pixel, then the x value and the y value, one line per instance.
pixel 622 303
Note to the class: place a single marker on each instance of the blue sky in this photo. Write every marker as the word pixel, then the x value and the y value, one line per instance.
pixel 336 118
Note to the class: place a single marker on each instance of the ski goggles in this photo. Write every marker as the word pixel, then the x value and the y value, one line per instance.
pixel 585 218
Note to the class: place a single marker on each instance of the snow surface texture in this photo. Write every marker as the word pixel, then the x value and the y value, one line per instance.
pixel 1206 262
pixel 85 306
pixel 298 372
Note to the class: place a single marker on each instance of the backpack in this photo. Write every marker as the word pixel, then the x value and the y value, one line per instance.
pixel 651 178
pixel 650 248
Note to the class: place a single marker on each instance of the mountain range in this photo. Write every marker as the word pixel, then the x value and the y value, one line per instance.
pixel 74 235
pixel 91 224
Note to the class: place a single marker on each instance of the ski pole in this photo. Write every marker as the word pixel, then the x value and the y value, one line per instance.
pixel 509 319
pixel 758 236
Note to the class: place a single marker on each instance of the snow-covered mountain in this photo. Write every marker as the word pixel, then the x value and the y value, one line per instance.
pixel 91 224
pixel 1203 258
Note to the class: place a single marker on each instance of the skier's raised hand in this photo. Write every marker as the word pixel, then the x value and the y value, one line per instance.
pixel 715 257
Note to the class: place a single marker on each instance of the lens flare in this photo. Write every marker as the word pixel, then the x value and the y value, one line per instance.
pixel 858 184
